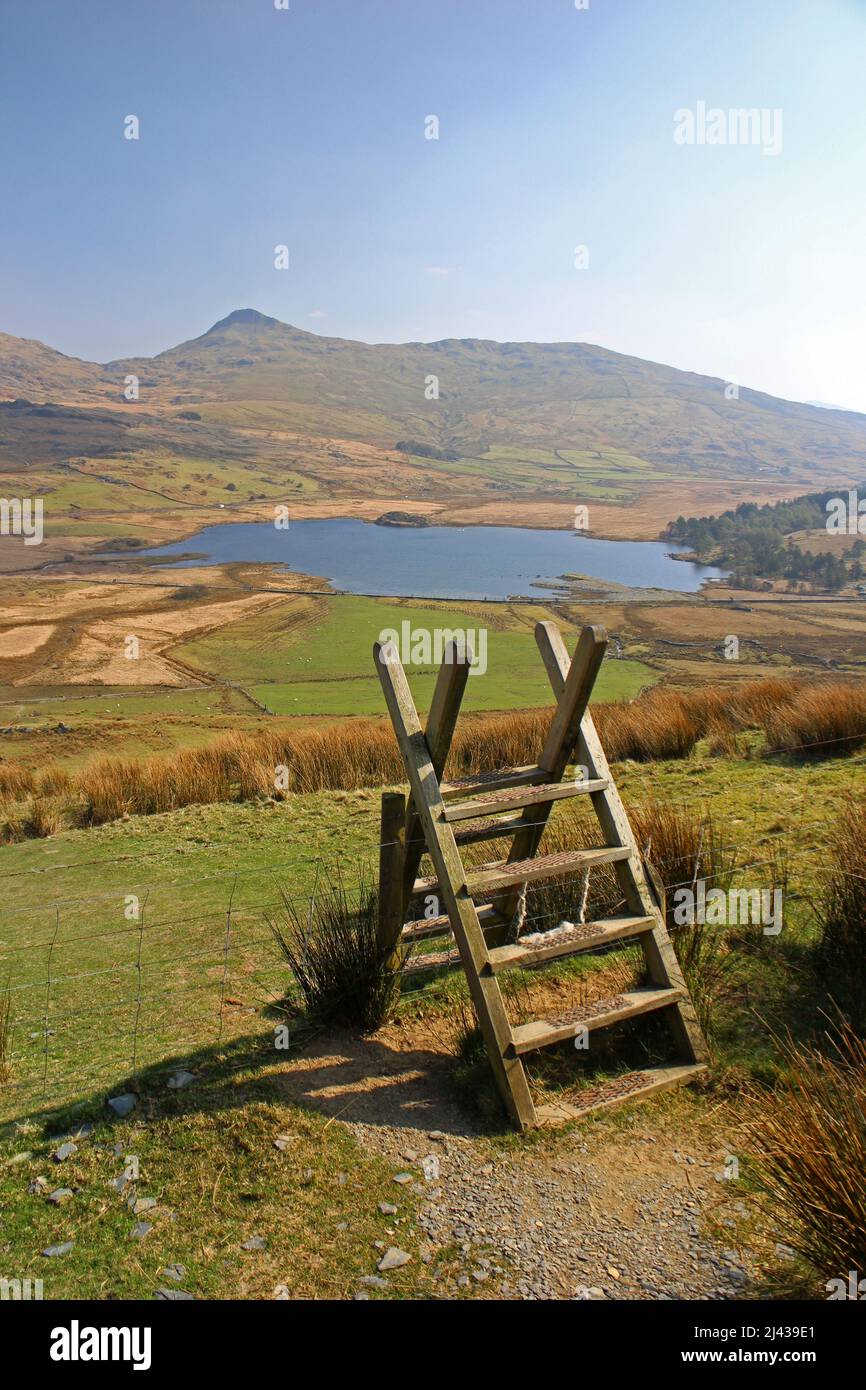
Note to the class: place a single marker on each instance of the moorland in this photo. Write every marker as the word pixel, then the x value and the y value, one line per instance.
pixel 148 852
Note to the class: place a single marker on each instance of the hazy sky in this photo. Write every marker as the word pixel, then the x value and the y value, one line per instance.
pixel 306 127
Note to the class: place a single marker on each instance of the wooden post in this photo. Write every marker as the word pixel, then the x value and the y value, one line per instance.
pixel 392 850
pixel 441 722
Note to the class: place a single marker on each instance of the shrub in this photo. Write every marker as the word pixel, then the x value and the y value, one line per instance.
pixel 335 958
pixel 810 1145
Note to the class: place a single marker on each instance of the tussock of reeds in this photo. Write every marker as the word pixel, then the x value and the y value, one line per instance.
pixel 821 722
pixel 841 910
pixel 15 781
pixel 659 725
pixel 810 1147
pixel 333 953
pixel 683 848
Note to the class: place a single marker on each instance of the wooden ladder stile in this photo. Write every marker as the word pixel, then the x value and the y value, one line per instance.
pixel 436 818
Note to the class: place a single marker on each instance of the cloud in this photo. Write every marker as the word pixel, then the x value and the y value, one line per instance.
pixel 317 314
pixel 437 270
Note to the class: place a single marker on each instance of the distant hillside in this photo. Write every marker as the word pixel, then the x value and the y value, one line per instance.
pixel 558 420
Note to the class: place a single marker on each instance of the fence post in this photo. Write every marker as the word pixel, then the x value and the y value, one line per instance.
pixel 392 848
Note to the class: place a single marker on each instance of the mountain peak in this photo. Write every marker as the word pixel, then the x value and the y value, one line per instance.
pixel 245 316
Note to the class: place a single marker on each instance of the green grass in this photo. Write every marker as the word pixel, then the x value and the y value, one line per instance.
pixel 131 722
pixel 129 993
pixel 327 667
pixel 207 1155
pixel 98 1000
pixel 105 496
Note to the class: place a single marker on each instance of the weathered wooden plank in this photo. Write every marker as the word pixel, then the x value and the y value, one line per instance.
pixel 566 940
pixel 425 927
pixel 491 877
pixel 572 703
pixel 525 776
pixel 545 1032
pixel 495 830
pixel 632 1086
pixel 486 997
pixel 491 803
pixel 562 735
pixel 441 720
pixel 392 847
pixel 662 965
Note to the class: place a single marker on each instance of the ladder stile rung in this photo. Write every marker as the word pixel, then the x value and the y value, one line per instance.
pixel 491 803
pixel 567 939
pixel 545 1032
pixel 494 830
pixel 424 927
pixel 484 782
pixel 488 878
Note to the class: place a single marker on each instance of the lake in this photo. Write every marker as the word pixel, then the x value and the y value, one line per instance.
pixel 468 562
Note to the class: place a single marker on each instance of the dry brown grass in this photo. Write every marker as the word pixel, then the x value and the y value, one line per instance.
pixel 115 787
pixel 5 1033
pixel 659 725
pixel 44 816
pixel 684 847
pixel 739 706
pixel 663 723
pixel 810 1144
pixel 821 721
pixel 15 781
pixel 841 911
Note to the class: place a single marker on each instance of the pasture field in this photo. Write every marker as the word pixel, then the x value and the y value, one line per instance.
pixel 223 646
pixel 135 722
pixel 324 665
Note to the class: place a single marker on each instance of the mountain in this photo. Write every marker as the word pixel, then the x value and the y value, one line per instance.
pixel 551 420
pixel 825 405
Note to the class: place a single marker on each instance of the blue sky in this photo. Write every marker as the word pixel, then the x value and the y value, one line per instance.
pixel 305 127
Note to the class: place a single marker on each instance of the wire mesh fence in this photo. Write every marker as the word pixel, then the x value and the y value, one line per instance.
pixel 150 973
pixel 100 987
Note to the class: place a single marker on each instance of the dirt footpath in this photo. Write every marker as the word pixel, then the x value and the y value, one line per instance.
pixel 634 1205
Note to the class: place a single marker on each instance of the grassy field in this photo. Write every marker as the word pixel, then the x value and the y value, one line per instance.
pixel 124 966
pixel 300 1221
pixel 150 987
pixel 137 722
pixel 324 665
